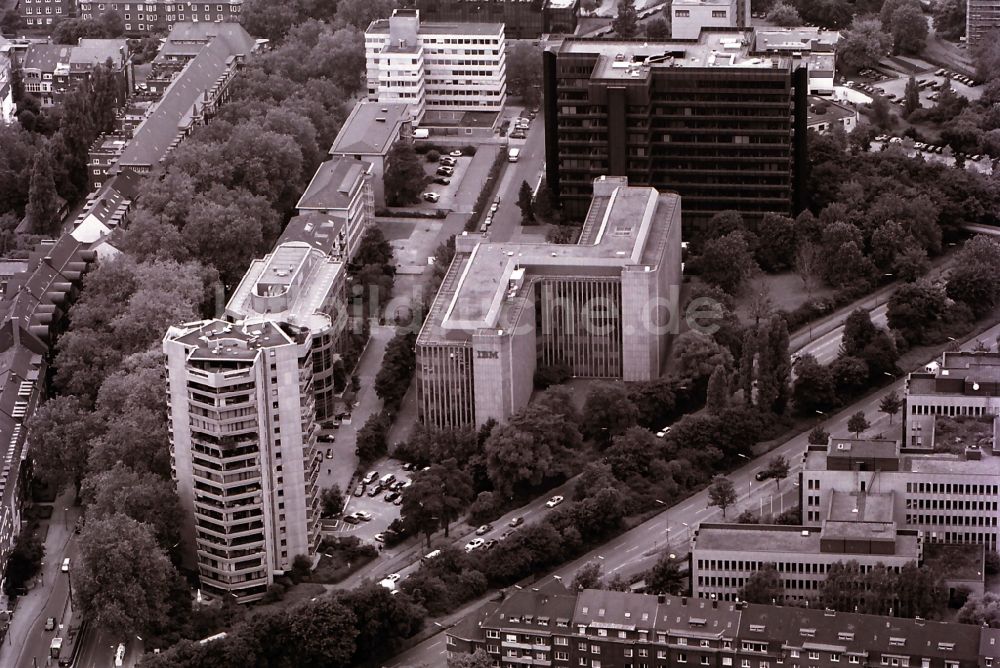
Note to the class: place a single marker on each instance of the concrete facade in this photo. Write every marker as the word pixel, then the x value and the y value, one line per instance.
pixel 342 190
pixel 369 133
pixel 689 17
pixel 982 17
pixel 452 67
pixel 243 450
pixel 603 307
pixel 153 16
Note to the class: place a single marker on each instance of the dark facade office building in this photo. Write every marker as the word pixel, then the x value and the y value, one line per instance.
pixel 705 118
pixel 523 19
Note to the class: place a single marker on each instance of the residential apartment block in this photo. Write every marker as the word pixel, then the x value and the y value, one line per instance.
pixel 447 68
pixel 44 13
pixel 603 306
pixel 7 107
pixel 50 70
pixel 342 191
pixel 243 449
pixel 302 286
pixel 522 20
pixel 159 16
pixel 689 17
pixel 706 118
pixel 368 135
pixel 982 17
pixel 549 626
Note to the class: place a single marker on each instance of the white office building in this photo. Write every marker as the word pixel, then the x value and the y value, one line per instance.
pixel 450 68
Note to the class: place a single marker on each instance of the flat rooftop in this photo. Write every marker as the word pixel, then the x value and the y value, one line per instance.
pixel 862 448
pixel 800 38
pixel 370 128
pixel 291 284
pixel 621 59
pixel 766 539
pixel 955 434
pixel 961 373
pixel 860 507
pixel 628 228
pixel 823 110
pixel 381 26
pixel 218 340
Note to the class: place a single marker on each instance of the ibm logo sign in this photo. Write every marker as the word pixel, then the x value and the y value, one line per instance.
pixel 487 355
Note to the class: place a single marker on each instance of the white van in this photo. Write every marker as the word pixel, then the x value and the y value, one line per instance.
pixel 421 133
pixel 513 154
pixel 431 555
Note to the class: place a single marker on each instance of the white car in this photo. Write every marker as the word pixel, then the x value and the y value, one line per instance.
pixel 120 655
pixel 456 154
pixel 363 515
pixel 554 501
pixel 392 577
pixel 663 432
pixel 474 544
pixel 432 197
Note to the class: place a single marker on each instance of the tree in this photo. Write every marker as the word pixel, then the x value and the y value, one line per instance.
pixel 524 203
pixel 24 561
pixel 479 659
pixel 665 577
pixel 607 412
pixel 626 22
pixel 819 436
pixel 436 498
pixel 859 331
pixel 785 15
pixel 850 375
pixel 857 423
pixel 777 246
pixel 722 493
pixel 974 280
pixel 727 261
pixel 143 497
pixel 890 404
pixel 587 576
pixel 949 18
pixel 383 620
pixel 524 72
pixel 658 28
pixel 698 356
pixel 916 311
pixel 398 365
pixel 535 444
pixel 43 202
pixel 717 397
pixel 404 176
pixel 813 389
pixel 123 577
pixel 863 44
pixel 544 206
pixel 372 436
pixel 359 14
pixel 909 29
pixel 777 468
pixel 911 97
pixel 774 366
pixel 764 586
pixel 807 265
pixel 333 501
pixel 981 610
pixel 60 433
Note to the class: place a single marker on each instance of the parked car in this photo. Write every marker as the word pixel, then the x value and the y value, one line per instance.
pixel 441 181
pixel 663 432
pixel 327 438
pixel 359 490
pixel 507 534
pixel 50 624
pixel 392 577
pixel 431 197
pixel 490 544
pixel 445 171
pixel 518 134
pixel 371 477
pixel 554 501
pixel 363 515
pixel 391 496
pixel 398 501
pixel 351 519
pixel 516 521
pixel 474 544
pixel 379 538
pixel 762 475
pixel 485 529
pixel 448 162
pixel 375 491
pixel 456 153
pixel 329 454
pixel 408 466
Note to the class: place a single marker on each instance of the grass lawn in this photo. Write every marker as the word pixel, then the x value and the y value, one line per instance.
pixel 337 563
pixel 786 291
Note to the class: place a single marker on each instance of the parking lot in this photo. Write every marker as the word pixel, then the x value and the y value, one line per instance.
pixel 383 512
pixel 895 88
pixel 445 192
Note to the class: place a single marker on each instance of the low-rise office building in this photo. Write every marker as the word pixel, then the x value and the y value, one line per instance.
pixel 547 625
pixel 368 135
pixel 857 527
pixel 947 492
pixel 243 450
pixel 448 68
pixel 689 17
pixel 813 48
pixel 707 118
pixel 962 384
pixel 825 115
pixel 604 307
pixel 341 190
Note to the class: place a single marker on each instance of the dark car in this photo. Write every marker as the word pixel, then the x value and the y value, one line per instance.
pixel 516 521
pixel 391 496
pixel 442 180
pixel 490 544
pixel 762 475
pixel 375 491
pixel 351 519
pixel 445 171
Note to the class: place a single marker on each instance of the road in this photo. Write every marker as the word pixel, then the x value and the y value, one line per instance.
pixel 529 167
pixel 826 348
pixel 671 530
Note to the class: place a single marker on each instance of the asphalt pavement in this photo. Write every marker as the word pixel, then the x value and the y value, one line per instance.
pixel 529 168
pixel 671 530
